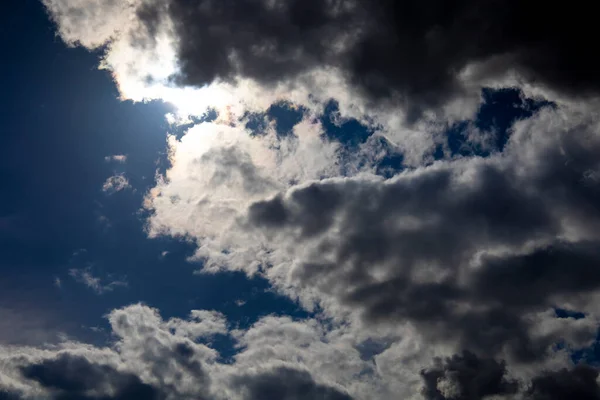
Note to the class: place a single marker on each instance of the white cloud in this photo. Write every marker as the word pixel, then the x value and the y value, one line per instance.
pixel 115 183
pixel 90 23
pixel 143 64
pixel 218 170
pixel 118 158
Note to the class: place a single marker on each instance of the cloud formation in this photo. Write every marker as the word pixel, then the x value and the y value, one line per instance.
pixel 278 358
pixel 470 249
pixel 156 359
pixel 440 280
pixel 408 51
pixel 470 255
pixel 71 376
pixel 413 55
pixel 95 283
pixel 466 376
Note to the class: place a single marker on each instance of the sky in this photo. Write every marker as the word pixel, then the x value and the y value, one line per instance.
pixel 299 199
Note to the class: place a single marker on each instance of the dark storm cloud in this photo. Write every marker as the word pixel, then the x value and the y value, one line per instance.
pixel 421 247
pixel 405 51
pixel 518 281
pixel 466 377
pixel 285 383
pixel 579 383
pixel 71 377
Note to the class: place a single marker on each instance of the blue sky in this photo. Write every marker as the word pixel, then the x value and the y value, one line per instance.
pixel 337 239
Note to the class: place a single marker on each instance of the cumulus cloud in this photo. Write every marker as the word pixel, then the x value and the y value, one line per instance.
pixel 154 359
pixel 466 376
pixel 278 358
pixel 412 55
pixel 470 250
pixel 467 254
pixel 470 254
pixel 439 282
pixel 285 383
pixel 218 170
pixel 71 376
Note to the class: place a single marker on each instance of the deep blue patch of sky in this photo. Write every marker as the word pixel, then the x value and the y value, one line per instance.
pixel 500 109
pixel 351 134
pixel 180 130
pixel 348 131
pixel 284 114
pixel 588 355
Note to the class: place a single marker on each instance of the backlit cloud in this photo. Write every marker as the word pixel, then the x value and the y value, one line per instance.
pixel 428 271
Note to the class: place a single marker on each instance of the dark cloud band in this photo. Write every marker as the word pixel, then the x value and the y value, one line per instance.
pixel 406 52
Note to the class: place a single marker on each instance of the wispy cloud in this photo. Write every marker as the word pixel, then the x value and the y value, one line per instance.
pixel 95 283
pixel 118 158
pixel 115 183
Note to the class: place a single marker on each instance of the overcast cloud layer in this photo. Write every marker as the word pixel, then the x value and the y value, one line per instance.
pixel 439 280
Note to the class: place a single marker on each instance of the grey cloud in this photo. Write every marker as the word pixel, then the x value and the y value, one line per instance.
pixel 75 377
pixel 285 383
pixel 169 359
pixel 468 250
pixel 473 252
pixel 278 359
pixel 466 377
pixel 519 281
pixel 408 52
pixel 70 377
pixel 148 360
pixel 232 165
pixel 321 200
pixel 578 383
pixel 151 360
